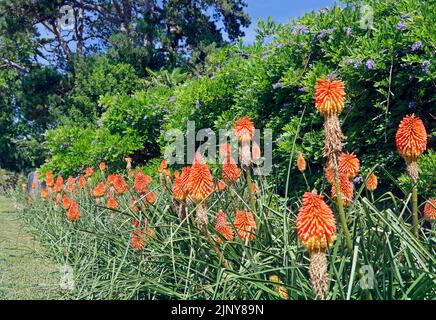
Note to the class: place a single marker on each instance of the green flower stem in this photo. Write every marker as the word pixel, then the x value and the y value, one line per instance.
pixel 305 180
pixel 217 251
pixel 415 211
pixel 342 214
pixel 250 193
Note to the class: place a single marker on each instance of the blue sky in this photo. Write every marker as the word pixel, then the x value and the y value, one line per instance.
pixel 280 11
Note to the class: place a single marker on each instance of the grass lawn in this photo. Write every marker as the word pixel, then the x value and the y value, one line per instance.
pixel 25 273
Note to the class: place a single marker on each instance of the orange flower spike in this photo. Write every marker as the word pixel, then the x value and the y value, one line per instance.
pixel 176 174
pixel 81 182
pixel 254 188
pixel 180 185
pixel 371 182
pixel 230 170
pixel 223 227
pixel 330 175
pixel 66 202
pixel 316 225
pixel 73 211
pixel 244 129
pixel 329 96
pixel 71 184
pixel 110 179
pixel 220 186
pixel 186 171
pixel 200 183
pixel 141 182
pixel 102 166
pixel 346 188
pixel 245 224
pixel 43 194
pixel 430 210
pixel 163 165
pixel 151 197
pixel 301 163
pixel 59 184
pixel 255 151
pixel 119 183
pixel 137 242
pixel 178 191
pixel 99 190
pixel 49 180
pixel 89 172
pixel 112 203
pixel 411 137
pixel 348 164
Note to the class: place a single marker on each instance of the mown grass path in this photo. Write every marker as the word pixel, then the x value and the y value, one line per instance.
pixel 24 271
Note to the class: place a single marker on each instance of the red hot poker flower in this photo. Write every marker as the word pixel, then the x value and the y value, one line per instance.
pixel 245 224
pixel 59 184
pixel 316 225
pixel 371 182
pixel 99 190
pixel 244 129
pixel 49 180
pixel 411 137
pixel 66 202
pixel 348 164
pixel 141 182
pixel 200 183
pixel 102 166
pixel 329 96
pixel 89 172
pixel 119 183
pixel 223 227
pixel 73 211
pixel 163 166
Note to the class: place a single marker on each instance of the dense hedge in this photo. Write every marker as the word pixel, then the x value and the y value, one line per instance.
pixel 389 71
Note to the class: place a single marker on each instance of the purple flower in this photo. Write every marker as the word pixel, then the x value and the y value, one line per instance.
pixel 358 180
pixel 300 29
pixel 425 66
pixel 348 31
pixel 172 99
pixel 412 105
pixel 370 64
pixel 417 46
pixel 278 45
pixel 405 16
pixel 303 89
pixel 350 61
pixel 322 34
pixel 402 25
pixel 277 86
pixel 323 11
pixel 358 64
pixel 390 156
